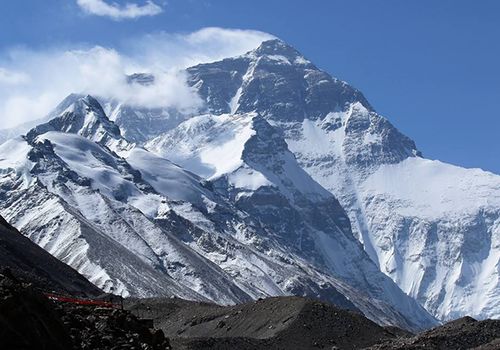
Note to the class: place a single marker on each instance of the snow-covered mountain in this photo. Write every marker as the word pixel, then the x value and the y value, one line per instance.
pixel 432 227
pixel 137 224
pixel 287 181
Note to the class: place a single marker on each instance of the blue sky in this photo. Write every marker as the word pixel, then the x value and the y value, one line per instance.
pixel 431 67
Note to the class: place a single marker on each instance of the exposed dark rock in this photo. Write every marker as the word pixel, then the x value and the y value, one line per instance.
pixel 464 333
pixel 30 321
pixel 274 323
pixel 28 261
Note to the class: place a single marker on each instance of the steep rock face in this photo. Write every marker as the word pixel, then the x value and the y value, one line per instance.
pixel 447 254
pixel 275 81
pixel 408 212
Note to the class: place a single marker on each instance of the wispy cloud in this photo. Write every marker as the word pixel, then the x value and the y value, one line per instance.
pixel 8 77
pixel 119 12
pixel 187 49
pixel 33 82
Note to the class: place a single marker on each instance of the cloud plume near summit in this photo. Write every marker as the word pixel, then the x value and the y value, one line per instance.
pixel 32 82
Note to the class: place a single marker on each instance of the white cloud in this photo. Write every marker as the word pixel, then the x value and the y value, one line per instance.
pixel 12 78
pixel 34 82
pixel 117 12
pixel 205 45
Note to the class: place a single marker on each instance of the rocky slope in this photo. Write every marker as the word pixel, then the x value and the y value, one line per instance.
pixel 463 333
pixel 25 260
pixel 30 321
pixel 297 323
pixel 274 323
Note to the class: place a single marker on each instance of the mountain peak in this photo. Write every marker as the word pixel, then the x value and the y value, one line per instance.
pixel 278 48
pixel 85 105
pixel 274 80
pixel 85 117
